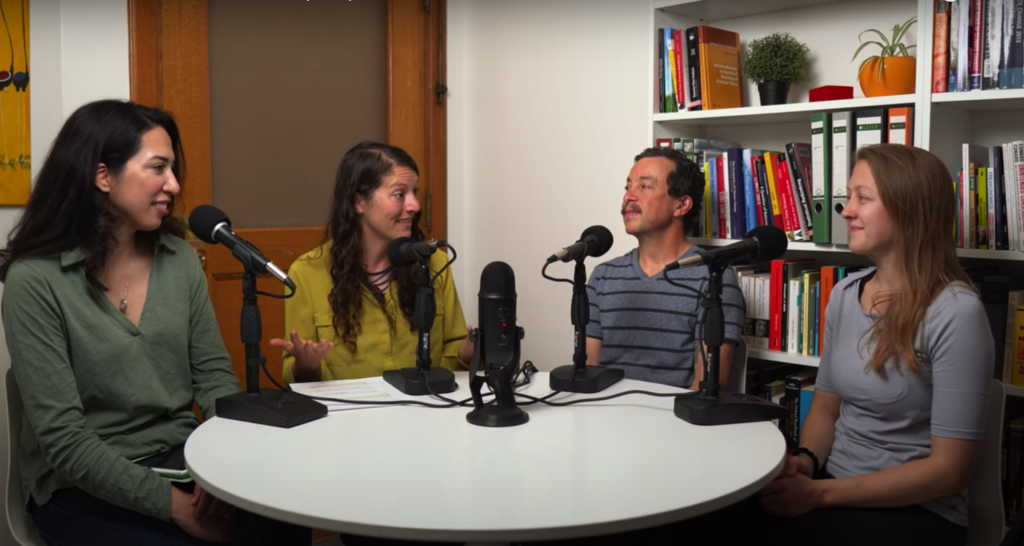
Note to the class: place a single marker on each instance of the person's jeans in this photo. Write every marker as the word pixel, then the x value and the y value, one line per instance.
pixel 73 517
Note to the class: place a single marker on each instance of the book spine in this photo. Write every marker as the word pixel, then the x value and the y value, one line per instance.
pixel 977 42
pixel 940 47
pixel 677 41
pixel 993 44
pixel 661 70
pixel 693 70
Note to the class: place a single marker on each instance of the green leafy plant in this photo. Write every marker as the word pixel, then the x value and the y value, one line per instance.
pixel 890 47
pixel 777 57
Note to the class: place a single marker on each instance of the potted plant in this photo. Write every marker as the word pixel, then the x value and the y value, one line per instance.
pixel 774 62
pixel 892 71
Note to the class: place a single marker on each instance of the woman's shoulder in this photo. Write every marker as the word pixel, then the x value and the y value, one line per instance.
pixel 957 298
pixel 316 259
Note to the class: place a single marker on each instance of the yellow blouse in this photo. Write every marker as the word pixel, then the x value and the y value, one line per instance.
pixel 377 347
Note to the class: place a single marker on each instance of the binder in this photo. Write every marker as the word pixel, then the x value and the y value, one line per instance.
pixel 901 126
pixel 821 180
pixel 843 143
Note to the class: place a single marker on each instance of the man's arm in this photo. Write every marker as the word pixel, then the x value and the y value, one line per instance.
pixel 593 351
pixel 724 364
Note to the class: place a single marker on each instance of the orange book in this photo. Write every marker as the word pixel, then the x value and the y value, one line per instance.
pixel 719 68
pixel 828 280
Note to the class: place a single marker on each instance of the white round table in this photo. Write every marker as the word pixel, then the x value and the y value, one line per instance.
pixel 421 473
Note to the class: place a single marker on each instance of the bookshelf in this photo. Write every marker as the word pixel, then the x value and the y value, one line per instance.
pixel 942 121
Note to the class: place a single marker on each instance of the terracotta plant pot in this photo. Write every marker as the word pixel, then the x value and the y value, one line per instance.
pixel 898 76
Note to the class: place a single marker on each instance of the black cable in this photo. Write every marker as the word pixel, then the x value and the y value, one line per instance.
pixel 455 256
pixel 543 273
pixel 277 296
pixel 544 401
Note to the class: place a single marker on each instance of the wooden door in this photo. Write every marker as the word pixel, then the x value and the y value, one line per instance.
pixel 169 62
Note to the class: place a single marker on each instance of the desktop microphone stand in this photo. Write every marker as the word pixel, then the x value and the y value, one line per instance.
pixel 707 406
pixel 423 379
pixel 272 407
pixel 579 377
pixel 504 412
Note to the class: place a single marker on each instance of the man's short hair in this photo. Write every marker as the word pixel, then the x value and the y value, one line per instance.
pixel 685 179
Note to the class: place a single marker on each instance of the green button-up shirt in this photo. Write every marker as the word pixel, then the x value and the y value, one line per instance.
pixel 100 391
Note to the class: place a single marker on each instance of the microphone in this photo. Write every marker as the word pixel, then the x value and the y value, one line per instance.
pixel 760 243
pixel 405 251
pixel 497 315
pixel 595 241
pixel 212 226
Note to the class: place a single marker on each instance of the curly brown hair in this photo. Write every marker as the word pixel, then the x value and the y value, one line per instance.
pixel 360 173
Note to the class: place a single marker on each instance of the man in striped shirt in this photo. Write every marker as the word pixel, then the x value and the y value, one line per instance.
pixel 638 321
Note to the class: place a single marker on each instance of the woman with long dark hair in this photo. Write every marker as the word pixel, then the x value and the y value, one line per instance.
pixel 112 337
pixel 352 315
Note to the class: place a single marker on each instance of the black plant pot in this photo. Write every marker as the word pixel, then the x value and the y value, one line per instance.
pixel 773 93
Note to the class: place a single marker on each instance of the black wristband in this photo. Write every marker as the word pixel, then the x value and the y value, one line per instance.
pixel 805 451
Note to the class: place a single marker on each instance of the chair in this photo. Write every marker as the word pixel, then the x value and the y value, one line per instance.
pixel 21 524
pixel 984 491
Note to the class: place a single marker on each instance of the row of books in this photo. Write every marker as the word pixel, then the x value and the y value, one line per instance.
pixel 788 385
pixel 977 44
pixel 698 69
pixel 785 304
pixel 989 187
pixel 792 189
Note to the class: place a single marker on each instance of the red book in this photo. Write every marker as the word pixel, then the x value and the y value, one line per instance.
pixel 828 280
pixel 781 273
pixel 977 35
pixel 677 41
pixel 786 197
pixel 940 47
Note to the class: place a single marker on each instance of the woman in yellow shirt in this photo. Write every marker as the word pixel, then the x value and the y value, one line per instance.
pixel 352 314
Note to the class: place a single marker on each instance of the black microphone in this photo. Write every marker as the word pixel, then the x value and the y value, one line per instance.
pixel 760 243
pixel 595 241
pixel 405 251
pixel 497 315
pixel 211 225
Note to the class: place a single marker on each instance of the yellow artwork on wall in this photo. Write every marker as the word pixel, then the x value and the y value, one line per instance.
pixel 15 137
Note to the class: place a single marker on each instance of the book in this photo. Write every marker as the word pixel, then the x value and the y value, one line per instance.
pixel 719 68
pixel 940 47
pixel 693 99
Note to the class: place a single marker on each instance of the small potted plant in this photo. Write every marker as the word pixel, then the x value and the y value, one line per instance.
pixel 892 71
pixel 774 62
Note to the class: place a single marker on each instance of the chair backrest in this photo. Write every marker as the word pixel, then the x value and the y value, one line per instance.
pixel 736 382
pixel 23 529
pixel 986 522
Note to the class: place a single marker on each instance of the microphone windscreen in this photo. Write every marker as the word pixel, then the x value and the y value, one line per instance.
pixel 604 240
pixel 497 280
pixel 395 251
pixel 203 219
pixel 771 242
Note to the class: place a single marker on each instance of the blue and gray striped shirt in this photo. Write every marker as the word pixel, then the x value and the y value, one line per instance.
pixel 648 327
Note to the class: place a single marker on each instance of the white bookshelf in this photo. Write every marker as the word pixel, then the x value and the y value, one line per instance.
pixel 982 101
pixel 780 113
pixel 802 246
pixel 779 356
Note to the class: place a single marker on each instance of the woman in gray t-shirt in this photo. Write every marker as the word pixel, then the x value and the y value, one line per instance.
pixel 902 391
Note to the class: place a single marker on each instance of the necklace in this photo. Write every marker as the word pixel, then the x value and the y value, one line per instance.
pixel 124 301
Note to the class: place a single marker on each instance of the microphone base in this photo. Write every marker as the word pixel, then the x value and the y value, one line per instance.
pixel 497 416
pixel 414 382
pixel 270 407
pixel 588 380
pixel 728 408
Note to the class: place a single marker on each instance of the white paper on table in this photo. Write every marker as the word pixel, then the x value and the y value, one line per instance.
pixel 370 389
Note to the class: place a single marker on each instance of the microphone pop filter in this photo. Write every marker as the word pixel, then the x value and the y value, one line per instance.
pixel 771 242
pixel 395 251
pixel 204 219
pixel 604 240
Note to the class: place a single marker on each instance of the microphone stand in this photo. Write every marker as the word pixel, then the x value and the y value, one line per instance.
pixel 708 406
pixel 423 379
pixel 578 377
pixel 504 412
pixel 272 407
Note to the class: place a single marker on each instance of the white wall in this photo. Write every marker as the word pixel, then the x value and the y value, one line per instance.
pixel 78 53
pixel 550 100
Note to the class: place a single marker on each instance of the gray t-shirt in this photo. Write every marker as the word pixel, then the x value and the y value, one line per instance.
pixel 647 326
pixel 888 420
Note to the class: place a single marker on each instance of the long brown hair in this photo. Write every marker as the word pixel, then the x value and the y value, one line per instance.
pixel 917 192
pixel 360 173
